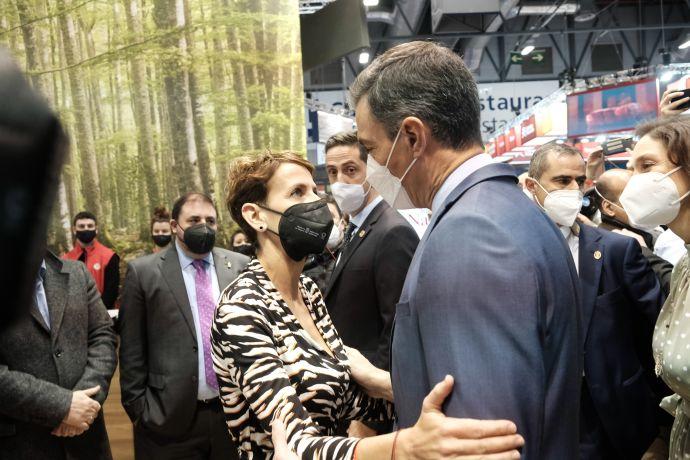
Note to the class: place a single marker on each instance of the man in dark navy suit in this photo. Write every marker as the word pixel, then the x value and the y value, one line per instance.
pixel 491 295
pixel 621 299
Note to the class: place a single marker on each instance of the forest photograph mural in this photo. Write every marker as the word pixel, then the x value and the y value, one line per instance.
pixel 157 96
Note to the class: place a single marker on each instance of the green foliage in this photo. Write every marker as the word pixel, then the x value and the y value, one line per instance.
pixel 238 52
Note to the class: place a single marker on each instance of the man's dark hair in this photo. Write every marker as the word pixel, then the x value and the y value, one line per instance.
pixel 181 201
pixel 346 139
pixel 84 215
pixel 424 80
pixel 539 161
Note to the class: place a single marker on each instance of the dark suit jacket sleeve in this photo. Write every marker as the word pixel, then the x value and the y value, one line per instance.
pixel 641 284
pixel 111 283
pixel 26 398
pixel 101 357
pixel 391 263
pixel 133 361
pixel 481 319
pixel 661 267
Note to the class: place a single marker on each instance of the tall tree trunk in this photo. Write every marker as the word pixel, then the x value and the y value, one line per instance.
pixel 82 118
pixel 220 104
pixel 239 86
pixel 204 157
pixel 168 16
pixel 141 106
pixel 32 46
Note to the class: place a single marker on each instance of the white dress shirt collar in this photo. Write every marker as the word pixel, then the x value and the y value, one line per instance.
pixel 186 261
pixel 359 219
pixel 456 177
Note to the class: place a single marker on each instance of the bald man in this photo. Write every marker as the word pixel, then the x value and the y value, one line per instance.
pixel 614 218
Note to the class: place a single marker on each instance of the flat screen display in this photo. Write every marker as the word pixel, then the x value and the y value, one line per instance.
pixel 611 109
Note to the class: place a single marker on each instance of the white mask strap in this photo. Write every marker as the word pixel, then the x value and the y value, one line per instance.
pixel 395 141
pixel 596 190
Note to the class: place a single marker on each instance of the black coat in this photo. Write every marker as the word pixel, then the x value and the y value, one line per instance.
pixel 621 299
pixel 367 280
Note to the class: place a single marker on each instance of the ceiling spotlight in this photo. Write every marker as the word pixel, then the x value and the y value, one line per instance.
pixel 364 57
pixel 527 49
pixel 585 16
pixel 370 2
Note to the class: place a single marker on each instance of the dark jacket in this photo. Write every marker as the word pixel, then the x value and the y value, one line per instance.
pixel 660 266
pixel 621 300
pixel 40 367
pixel 366 282
pixel 492 298
pixel 158 343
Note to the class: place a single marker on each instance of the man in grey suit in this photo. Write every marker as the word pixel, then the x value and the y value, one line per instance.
pixel 491 296
pixel 169 389
pixel 56 362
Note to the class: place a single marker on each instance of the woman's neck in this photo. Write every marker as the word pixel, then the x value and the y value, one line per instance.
pixel 281 269
pixel 681 225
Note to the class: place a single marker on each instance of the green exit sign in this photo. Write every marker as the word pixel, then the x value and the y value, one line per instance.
pixel 535 56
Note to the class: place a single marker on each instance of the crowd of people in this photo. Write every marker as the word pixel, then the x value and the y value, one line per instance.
pixel 517 327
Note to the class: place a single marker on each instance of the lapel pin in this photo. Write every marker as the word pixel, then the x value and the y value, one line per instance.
pixel 362 233
pixel 597 255
pixel 229 264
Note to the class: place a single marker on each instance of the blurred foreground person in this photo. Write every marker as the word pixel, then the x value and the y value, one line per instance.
pixel 56 362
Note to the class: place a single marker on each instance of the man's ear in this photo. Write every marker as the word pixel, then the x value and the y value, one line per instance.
pixel 416 135
pixel 607 208
pixel 530 185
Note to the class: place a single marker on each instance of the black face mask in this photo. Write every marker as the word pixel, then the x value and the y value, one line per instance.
pixel 304 228
pixel 86 236
pixel 199 238
pixel 246 249
pixel 162 240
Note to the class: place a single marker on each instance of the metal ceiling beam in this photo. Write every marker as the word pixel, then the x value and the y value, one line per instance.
pixel 684 25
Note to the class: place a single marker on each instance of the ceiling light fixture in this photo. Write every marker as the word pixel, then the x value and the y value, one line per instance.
pixel 527 49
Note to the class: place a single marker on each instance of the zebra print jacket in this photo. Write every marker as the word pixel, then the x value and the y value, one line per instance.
pixel 269 367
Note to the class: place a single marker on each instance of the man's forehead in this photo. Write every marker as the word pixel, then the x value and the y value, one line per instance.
pixel 85 221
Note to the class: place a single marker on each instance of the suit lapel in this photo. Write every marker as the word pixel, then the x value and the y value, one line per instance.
pixel 590 259
pixel 56 286
pixel 357 239
pixel 172 273
pixel 224 269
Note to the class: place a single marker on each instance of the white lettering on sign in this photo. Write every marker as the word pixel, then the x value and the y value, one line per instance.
pixel 527 130
pixel 500 103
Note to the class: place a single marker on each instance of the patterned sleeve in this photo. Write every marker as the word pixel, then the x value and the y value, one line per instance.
pixel 362 407
pixel 245 356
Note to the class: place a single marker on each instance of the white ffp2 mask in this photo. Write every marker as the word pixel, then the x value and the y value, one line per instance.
pixel 389 187
pixel 651 199
pixel 350 197
pixel 562 206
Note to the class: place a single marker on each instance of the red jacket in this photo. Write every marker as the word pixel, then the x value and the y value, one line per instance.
pixel 97 259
